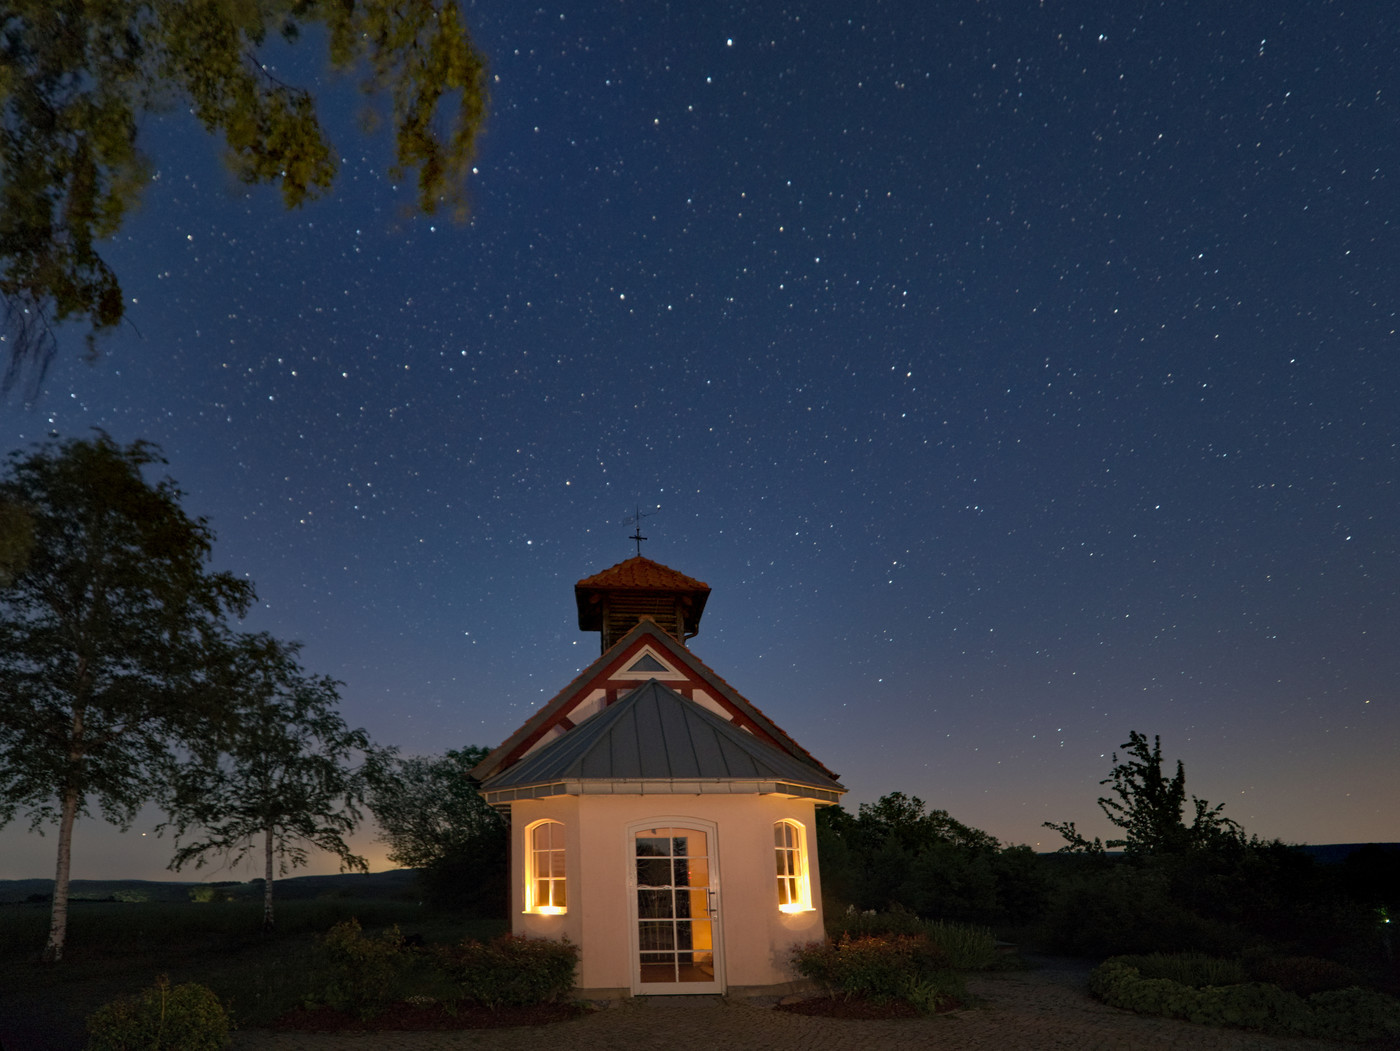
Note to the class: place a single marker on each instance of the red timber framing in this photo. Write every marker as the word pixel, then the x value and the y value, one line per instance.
pixel 614 674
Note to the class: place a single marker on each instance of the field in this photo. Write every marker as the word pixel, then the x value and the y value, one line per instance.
pixel 117 948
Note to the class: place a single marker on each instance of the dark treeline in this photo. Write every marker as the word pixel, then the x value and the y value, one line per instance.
pixel 1183 879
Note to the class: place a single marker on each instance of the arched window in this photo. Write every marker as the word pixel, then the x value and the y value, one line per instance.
pixel 794 884
pixel 544 862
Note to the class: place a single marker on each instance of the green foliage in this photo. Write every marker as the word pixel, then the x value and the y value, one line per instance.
pixel 362 969
pixel 1355 1014
pixel 1304 975
pixel 963 947
pixel 427 806
pixel 510 971
pixel 1349 1014
pixel 1128 907
pixel 1148 806
pixel 16 539
pixel 77 80
pixel 881 967
pixel 1189 968
pixel 281 777
pixel 186 1017
pixel 434 819
pixel 105 638
pixel 936 992
pixel 896 852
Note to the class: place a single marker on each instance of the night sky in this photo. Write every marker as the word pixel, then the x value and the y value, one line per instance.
pixel 1017 375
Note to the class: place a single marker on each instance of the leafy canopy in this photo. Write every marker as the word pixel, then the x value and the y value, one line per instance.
pixel 1149 807
pixel 287 774
pixel 428 809
pixel 77 78
pixel 108 621
pixel 105 632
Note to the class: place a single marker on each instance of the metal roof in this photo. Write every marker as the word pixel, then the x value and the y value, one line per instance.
pixel 597 675
pixel 655 740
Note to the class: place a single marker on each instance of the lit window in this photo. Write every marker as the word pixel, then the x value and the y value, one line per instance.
pixel 544 887
pixel 794 886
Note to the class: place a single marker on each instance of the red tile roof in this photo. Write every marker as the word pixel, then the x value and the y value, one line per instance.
pixel 642 573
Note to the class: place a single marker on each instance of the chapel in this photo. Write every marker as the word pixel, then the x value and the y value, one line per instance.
pixel 659 820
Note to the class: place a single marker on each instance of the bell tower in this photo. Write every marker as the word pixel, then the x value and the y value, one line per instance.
pixel 615 600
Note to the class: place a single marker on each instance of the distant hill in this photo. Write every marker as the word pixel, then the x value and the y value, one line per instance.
pixel 1323 853
pixel 1336 853
pixel 396 884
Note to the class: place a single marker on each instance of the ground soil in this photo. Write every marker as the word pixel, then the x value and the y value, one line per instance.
pixel 407 1017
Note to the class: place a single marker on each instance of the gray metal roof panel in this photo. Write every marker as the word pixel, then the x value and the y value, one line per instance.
pixel 654 733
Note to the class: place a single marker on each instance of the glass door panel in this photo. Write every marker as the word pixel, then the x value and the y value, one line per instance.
pixel 675 909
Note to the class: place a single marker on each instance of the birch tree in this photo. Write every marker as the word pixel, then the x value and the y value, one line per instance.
pixel 107 625
pixel 288 776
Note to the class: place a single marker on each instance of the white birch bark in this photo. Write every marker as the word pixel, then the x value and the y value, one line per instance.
pixel 267 884
pixel 58 919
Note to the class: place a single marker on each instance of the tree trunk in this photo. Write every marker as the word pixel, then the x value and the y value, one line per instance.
pixel 267 885
pixel 58 920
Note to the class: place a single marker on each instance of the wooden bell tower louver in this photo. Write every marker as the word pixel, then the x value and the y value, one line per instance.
pixel 615 600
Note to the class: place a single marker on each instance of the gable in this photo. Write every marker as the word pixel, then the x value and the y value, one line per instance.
pixel 655 741
pixel 623 668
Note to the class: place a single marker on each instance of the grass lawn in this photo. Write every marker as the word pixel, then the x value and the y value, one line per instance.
pixel 115 949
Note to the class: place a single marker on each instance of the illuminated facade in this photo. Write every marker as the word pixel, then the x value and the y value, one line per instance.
pixel 659 820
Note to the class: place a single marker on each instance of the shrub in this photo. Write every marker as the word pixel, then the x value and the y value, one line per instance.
pixel 187 1017
pixel 935 993
pixel 1356 1014
pixel 511 971
pixel 1128 907
pixel 855 924
pixel 1189 968
pixel 882 968
pixel 362 970
pixel 1346 1014
pixel 1303 975
pixel 965 947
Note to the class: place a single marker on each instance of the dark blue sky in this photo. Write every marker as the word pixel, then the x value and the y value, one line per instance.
pixel 1017 375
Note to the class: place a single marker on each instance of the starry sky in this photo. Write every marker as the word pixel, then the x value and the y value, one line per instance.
pixel 1017 374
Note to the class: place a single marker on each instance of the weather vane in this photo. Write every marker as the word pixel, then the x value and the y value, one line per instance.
pixel 636 520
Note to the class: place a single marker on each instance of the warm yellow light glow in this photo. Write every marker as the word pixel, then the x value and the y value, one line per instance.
pixel 551 910
pixel 794 908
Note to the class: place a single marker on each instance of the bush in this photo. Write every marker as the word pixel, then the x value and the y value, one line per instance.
pixel 965 947
pixel 1128 906
pixel 1189 968
pixel 363 970
pixel 1303 975
pixel 881 968
pixel 510 971
pixel 855 924
pixel 1356 1014
pixel 1346 1014
pixel 187 1017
